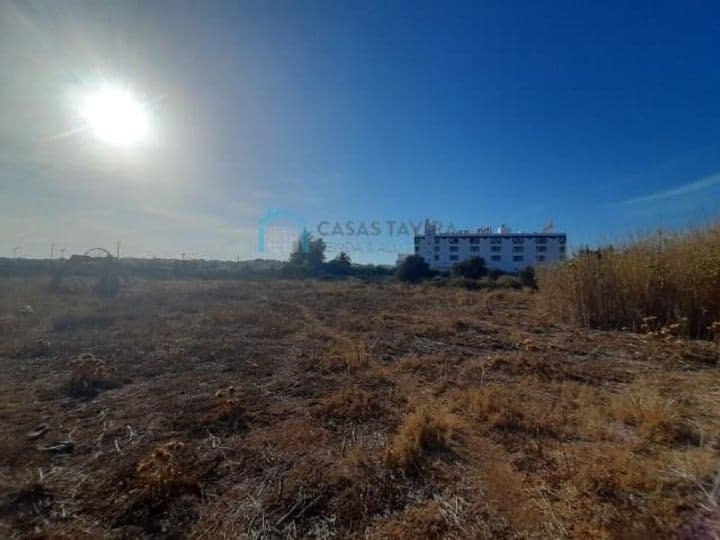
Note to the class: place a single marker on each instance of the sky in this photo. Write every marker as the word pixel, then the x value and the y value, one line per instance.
pixel 600 117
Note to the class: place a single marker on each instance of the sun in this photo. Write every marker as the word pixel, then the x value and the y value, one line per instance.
pixel 115 116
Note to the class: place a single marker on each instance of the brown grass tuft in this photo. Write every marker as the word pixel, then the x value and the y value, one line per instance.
pixel 89 375
pixel 420 433
pixel 658 419
pixel 166 470
pixel 350 402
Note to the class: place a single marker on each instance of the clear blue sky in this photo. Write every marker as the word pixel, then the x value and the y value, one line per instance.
pixel 601 116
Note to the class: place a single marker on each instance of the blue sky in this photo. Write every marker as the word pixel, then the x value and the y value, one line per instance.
pixel 601 116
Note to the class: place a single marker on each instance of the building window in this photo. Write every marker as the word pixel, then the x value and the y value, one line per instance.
pixel 495 248
pixel 437 257
pixel 474 240
pixel 540 258
pixel 417 249
pixel 541 240
pixel 437 248
pixel 563 239
pixel 518 240
pixel 517 249
pixel 495 258
pixel 437 240
pixel 541 249
pixel 453 240
pixel 475 249
pixel 495 240
pixel 453 257
pixel 517 257
pixel 562 249
pixel 453 248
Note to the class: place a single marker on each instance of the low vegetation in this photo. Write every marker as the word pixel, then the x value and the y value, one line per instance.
pixel 346 408
pixel 665 282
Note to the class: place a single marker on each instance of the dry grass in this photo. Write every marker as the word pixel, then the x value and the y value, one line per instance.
pixel 167 470
pixel 326 409
pixel 350 403
pixel 673 278
pixel 421 433
pixel 658 418
pixel 89 376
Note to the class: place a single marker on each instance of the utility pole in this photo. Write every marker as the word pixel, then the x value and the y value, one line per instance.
pixel 117 250
pixel 52 251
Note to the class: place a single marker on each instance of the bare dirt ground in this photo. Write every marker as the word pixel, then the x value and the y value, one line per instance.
pixel 345 409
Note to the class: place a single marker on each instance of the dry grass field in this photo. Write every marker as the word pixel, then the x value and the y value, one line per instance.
pixel 346 409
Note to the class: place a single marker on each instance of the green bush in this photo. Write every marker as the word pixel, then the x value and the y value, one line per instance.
pixel 413 269
pixel 472 268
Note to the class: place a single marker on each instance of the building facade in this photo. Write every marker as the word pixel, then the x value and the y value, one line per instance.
pixel 503 250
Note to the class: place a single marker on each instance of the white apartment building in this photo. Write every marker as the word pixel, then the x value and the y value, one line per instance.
pixel 503 250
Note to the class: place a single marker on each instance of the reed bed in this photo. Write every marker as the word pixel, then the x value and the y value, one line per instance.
pixel 667 282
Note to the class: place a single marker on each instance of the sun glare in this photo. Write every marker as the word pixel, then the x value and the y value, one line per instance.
pixel 115 116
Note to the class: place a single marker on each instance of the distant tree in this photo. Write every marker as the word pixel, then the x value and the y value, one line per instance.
pixel 340 265
pixel 473 268
pixel 344 258
pixel 413 269
pixel 308 252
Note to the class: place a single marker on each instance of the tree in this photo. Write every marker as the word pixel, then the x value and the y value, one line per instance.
pixel 413 269
pixel 473 268
pixel 308 253
pixel 340 265
pixel 344 258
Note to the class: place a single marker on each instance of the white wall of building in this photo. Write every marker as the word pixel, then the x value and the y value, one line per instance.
pixel 506 251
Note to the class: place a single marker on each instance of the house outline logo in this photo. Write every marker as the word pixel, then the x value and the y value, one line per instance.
pixel 294 223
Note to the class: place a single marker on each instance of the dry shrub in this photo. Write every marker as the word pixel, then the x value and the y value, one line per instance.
pixel 671 277
pixel 167 470
pixel 420 433
pixel 525 409
pixel 614 472
pixel 499 406
pixel 350 402
pixel 89 376
pixel 342 354
pixel 658 419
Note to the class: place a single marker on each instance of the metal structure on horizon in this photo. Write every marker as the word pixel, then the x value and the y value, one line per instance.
pixel 98 253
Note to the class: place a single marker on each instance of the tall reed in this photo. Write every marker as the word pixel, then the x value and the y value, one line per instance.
pixel 666 278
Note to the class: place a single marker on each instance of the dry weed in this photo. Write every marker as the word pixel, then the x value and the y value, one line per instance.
pixel 658 419
pixel 420 433
pixel 89 375
pixel 167 470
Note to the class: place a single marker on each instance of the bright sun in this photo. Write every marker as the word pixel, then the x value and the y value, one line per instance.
pixel 116 116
